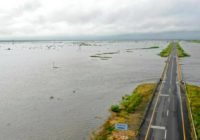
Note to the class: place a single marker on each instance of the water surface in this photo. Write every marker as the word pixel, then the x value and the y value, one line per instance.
pixel 56 91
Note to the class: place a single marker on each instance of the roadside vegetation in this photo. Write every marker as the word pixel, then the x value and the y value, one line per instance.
pixel 195 41
pixel 166 52
pixel 194 97
pixel 130 111
pixel 181 52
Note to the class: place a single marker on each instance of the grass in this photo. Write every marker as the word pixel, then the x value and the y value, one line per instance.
pixel 152 47
pixel 115 108
pixel 104 56
pixel 194 97
pixel 195 41
pixel 166 52
pixel 130 111
pixel 181 52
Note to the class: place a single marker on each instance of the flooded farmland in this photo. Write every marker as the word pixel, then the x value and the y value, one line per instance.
pixel 62 89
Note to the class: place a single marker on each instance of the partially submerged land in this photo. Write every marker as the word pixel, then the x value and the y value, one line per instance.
pixel 152 47
pixel 131 111
pixel 194 102
pixel 195 41
pixel 166 52
pixel 105 55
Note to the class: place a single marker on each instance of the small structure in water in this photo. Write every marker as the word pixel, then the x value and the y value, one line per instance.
pixel 54 66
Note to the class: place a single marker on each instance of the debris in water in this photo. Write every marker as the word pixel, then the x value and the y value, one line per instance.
pixel 97 117
pixel 51 97
pixel 55 67
pixel 8 124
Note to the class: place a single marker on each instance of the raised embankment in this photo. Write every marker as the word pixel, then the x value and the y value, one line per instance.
pixel 134 109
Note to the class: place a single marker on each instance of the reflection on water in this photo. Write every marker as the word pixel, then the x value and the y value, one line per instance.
pixel 55 90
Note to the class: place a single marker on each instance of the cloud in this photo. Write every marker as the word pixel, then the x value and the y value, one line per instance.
pixel 26 18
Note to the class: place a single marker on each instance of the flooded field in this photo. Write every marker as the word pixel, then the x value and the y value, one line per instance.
pixel 62 90
pixel 191 65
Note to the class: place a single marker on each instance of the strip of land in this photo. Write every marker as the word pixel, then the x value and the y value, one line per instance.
pixel 167 117
pixel 161 116
pixel 166 52
pixel 130 111
pixel 195 41
pixel 194 101
pixel 152 47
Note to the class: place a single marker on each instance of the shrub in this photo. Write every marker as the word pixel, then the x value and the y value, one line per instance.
pixel 109 129
pixel 115 108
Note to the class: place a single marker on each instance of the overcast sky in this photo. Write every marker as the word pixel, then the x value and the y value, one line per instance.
pixel 37 18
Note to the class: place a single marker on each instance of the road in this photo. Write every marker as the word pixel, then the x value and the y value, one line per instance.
pixel 165 119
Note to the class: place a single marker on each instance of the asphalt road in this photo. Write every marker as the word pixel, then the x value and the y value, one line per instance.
pixel 165 119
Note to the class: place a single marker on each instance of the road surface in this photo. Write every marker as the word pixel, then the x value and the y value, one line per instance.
pixel 167 118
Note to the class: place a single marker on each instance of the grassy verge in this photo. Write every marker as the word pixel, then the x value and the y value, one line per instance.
pixel 130 111
pixel 194 97
pixel 181 52
pixel 166 52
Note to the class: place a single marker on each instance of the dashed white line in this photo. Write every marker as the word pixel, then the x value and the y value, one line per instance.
pixel 165 135
pixel 167 112
pixel 164 95
pixel 158 127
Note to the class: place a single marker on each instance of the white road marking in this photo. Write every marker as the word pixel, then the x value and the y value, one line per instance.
pixel 158 127
pixel 165 134
pixel 164 95
pixel 167 112
pixel 154 109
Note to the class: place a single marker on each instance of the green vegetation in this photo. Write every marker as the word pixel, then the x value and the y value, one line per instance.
pixel 115 108
pixel 104 56
pixel 130 102
pixel 195 41
pixel 194 97
pixel 101 57
pixel 166 52
pixel 181 52
pixel 153 47
pixel 130 111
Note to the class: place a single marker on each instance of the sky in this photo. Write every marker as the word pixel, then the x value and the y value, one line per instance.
pixel 71 19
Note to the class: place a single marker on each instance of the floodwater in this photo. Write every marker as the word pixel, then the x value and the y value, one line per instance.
pixel 56 91
pixel 191 65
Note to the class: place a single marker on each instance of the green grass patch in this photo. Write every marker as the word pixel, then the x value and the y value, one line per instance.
pixel 152 47
pixel 104 56
pixel 115 108
pixel 166 52
pixel 130 110
pixel 181 52
pixel 194 97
